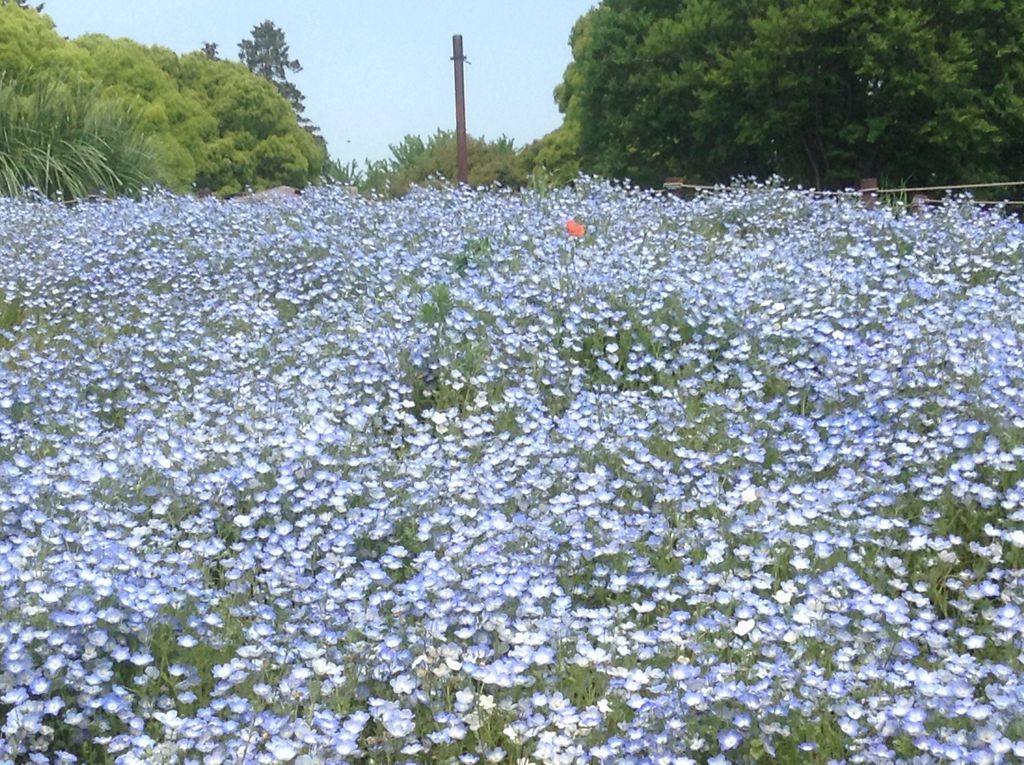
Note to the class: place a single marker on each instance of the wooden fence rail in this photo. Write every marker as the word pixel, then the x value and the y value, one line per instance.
pixel 870 191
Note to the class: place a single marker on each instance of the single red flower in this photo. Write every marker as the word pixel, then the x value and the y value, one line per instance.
pixel 574 228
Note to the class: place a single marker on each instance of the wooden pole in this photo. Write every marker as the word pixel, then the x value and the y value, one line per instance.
pixel 460 110
pixel 869 192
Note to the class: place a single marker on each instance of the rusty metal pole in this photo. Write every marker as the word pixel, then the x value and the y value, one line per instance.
pixel 460 110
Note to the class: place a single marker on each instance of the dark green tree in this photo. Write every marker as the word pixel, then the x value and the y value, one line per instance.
pixel 820 91
pixel 209 50
pixel 266 54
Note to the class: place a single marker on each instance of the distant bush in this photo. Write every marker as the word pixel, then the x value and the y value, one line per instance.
pixel 433 161
pixel 555 157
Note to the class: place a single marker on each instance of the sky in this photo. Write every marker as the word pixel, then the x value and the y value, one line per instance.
pixel 375 71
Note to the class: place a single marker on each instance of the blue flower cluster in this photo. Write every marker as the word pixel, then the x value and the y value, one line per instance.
pixel 328 480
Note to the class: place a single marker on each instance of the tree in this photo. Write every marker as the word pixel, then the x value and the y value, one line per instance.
pixel 820 91
pixel 30 47
pixel 143 81
pixel 207 122
pixel 209 50
pixel 24 4
pixel 266 54
pixel 260 143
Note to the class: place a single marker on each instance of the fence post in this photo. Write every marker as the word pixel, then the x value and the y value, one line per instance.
pixel 869 192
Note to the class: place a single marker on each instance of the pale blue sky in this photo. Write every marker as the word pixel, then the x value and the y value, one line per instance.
pixel 375 71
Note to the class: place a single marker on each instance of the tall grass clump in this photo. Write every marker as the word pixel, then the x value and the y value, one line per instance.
pixel 68 142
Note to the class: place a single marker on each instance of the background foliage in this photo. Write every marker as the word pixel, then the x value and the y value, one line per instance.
pixel 819 91
pixel 432 161
pixel 208 123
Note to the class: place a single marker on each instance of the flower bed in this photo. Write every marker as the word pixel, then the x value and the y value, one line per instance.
pixel 432 480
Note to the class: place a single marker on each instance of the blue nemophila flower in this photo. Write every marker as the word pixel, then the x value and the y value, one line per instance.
pixel 728 459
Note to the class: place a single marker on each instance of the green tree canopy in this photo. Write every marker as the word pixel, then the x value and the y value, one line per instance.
pixel 24 4
pixel 210 123
pixel 143 79
pixel 555 156
pixel 253 120
pixel 820 91
pixel 30 47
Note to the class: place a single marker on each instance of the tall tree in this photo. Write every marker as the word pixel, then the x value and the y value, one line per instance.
pixel 820 91
pixel 266 54
pixel 209 50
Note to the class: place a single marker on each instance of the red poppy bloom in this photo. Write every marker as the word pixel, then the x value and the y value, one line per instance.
pixel 574 228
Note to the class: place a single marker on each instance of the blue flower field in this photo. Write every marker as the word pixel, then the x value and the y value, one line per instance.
pixel 738 479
